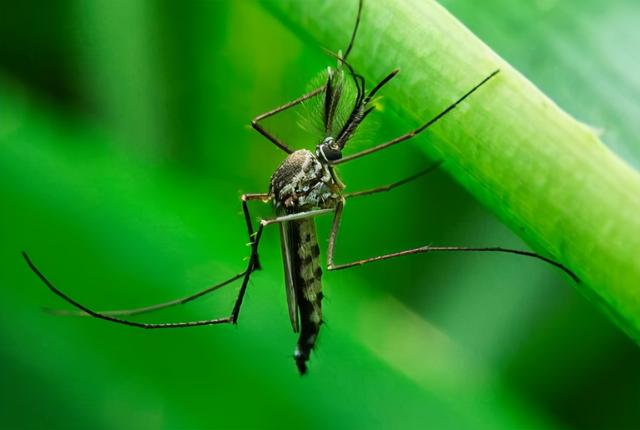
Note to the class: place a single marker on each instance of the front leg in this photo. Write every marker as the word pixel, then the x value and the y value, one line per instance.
pixel 418 130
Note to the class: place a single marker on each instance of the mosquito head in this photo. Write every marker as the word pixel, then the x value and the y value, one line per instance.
pixel 328 150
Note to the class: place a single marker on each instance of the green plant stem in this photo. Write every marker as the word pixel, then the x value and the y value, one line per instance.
pixel 543 173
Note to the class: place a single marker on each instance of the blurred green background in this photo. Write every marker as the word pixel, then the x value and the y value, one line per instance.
pixel 124 146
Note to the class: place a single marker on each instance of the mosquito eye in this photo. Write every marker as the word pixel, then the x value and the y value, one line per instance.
pixel 331 154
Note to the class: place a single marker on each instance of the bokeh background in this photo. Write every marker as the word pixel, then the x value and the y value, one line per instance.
pixel 124 146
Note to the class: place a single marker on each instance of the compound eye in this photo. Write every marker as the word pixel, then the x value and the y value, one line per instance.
pixel 331 154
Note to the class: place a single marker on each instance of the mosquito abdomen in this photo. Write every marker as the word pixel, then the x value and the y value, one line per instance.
pixel 303 183
pixel 309 286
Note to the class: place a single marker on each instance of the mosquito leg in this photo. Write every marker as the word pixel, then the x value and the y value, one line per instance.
pixel 228 320
pixel 254 253
pixel 232 319
pixel 335 227
pixel 146 309
pixel 102 316
pixel 260 129
pixel 418 130
pixel 355 31
pixel 381 84
pixel 152 308
pixel 263 197
pixel 295 217
pixel 389 187
pixel 426 249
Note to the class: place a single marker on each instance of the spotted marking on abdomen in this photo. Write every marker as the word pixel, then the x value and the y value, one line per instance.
pixel 309 291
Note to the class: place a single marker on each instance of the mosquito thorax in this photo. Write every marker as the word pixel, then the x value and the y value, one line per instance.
pixel 304 182
pixel 328 151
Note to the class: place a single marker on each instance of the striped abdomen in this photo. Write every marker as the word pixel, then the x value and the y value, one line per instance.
pixel 307 280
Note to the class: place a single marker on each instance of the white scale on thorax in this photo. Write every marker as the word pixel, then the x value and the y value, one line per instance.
pixel 309 187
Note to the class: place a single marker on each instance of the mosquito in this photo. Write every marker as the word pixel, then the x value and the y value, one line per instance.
pixel 306 185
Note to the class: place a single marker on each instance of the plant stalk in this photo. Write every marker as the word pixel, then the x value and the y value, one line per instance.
pixel 543 173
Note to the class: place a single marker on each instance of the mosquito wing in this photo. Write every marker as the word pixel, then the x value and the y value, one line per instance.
pixel 288 259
